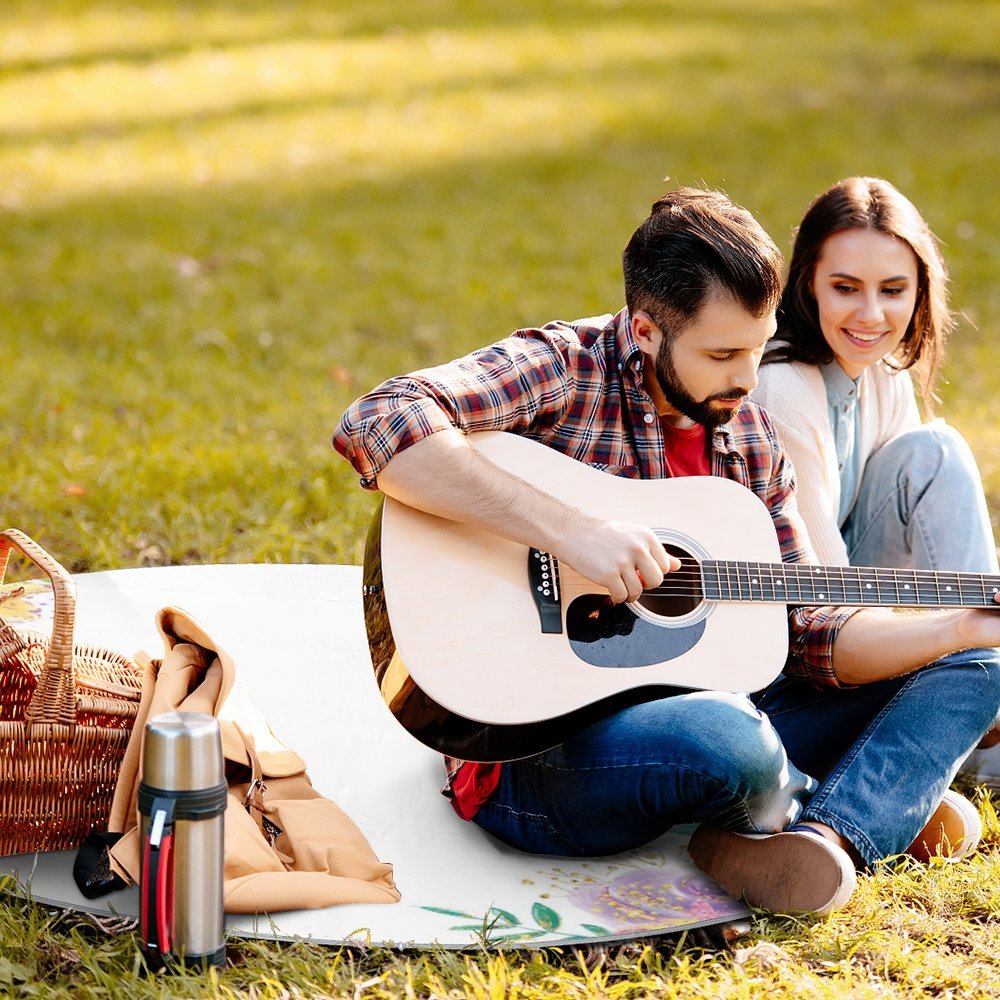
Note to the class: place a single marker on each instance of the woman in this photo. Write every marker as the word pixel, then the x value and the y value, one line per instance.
pixel 865 305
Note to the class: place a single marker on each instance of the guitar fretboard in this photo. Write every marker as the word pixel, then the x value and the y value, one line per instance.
pixel 792 583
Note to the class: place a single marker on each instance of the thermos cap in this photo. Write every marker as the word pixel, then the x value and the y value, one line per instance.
pixel 182 752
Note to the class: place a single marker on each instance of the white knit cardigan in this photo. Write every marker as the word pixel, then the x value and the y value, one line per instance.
pixel 794 394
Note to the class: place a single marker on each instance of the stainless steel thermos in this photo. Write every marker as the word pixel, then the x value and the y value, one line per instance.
pixel 182 801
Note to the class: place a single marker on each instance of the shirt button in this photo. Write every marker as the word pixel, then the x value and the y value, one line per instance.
pixel 648 418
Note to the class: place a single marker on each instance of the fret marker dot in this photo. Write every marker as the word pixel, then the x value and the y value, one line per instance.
pixel 753 579
pixel 823 596
pixel 947 588
pixel 780 582
pixel 906 586
pixel 868 586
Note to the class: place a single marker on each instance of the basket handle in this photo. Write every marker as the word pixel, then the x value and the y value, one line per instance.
pixel 54 700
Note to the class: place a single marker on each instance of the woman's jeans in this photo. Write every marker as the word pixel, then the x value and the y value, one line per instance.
pixel 872 761
pixel 920 505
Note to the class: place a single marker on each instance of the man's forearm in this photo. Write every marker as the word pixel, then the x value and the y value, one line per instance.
pixel 444 475
pixel 878 643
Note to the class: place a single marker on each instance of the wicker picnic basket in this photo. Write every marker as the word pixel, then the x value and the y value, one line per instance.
pixel 66 713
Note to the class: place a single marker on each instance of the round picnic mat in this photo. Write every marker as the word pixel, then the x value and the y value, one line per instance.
pixel 297 636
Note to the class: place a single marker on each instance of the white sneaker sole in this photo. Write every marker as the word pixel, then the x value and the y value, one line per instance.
pixel 782 872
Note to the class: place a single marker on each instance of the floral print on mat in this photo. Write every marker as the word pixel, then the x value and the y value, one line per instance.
pixel 645 891
pixel 35 606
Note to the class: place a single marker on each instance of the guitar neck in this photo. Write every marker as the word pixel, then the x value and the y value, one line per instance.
pixel 801 583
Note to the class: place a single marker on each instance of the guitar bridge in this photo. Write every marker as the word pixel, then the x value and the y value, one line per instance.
pixel 543 578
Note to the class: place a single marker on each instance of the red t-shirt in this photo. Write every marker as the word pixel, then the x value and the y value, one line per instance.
pixel 686 455
pixel 686 450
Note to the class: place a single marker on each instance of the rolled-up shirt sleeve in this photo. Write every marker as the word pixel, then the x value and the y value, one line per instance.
pixel 812 631
pixel 515 384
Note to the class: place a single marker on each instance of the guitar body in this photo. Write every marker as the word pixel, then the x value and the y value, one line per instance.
pixel 473 665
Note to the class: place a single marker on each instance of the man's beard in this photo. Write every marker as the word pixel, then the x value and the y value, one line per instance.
pixel 680 399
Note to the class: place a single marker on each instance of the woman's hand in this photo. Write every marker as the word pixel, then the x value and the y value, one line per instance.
pixel 980 627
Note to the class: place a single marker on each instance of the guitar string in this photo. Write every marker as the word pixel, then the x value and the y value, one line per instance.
pixel 803 576
pixel 688 581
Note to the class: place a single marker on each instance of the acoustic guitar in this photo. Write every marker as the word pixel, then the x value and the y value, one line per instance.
pixel 487 650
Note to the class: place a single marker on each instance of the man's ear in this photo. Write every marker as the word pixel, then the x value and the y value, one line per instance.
pixel 646 333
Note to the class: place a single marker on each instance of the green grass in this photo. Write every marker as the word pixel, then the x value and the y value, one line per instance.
pixel 909 932
pixel 221 221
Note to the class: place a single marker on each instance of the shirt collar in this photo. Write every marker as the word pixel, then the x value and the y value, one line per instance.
pixel 722 440
pixel 630 357
pixel 632 360
pixel 840 387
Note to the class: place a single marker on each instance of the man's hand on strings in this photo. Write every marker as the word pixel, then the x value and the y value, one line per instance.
pixel 624 558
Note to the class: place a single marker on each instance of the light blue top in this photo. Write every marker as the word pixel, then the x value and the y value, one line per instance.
pixel 842 402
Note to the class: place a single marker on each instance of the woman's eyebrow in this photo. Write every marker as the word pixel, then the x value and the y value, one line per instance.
pixel 854 277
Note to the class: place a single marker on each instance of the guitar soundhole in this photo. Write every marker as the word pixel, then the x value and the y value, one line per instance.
pixel 680 593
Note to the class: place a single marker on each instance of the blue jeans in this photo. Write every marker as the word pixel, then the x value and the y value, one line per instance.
pixel 695 757
pixel 921 506
pixel 872 761
pixel 885 753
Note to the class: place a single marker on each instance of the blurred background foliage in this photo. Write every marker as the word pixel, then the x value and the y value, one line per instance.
pixel 222 221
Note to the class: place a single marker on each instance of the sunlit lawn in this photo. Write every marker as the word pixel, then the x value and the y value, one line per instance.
pixel 222 221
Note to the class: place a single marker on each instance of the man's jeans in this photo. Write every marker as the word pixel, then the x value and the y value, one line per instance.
pixel 920 506
pixel 872 762
pixel 701 756
pixel 884 754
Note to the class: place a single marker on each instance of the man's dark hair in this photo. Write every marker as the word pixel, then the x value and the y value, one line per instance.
pixel 694 244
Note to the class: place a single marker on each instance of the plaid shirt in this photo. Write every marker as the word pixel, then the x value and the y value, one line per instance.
pixel 577 387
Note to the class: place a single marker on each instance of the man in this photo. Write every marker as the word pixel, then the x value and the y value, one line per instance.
pixel 660 390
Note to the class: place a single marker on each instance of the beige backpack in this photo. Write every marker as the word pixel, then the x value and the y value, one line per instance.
pixel 286 846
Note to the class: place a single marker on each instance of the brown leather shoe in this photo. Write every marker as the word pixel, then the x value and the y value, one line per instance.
pixel 790 872
pixel 953 832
